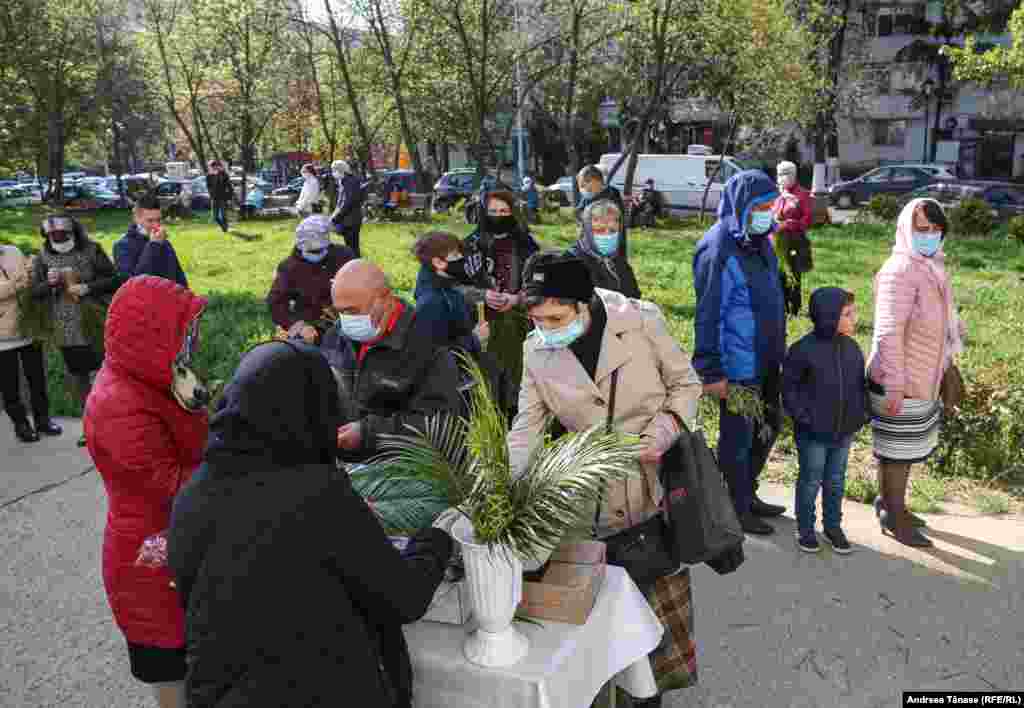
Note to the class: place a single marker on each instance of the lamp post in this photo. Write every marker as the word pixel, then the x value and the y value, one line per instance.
pixel 926 93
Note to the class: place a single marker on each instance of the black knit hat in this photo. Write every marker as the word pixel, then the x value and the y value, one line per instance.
pixel 566 278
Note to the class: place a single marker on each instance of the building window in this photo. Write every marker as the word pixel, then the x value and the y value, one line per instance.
pixel 898 19
pixel 879 78
pixel 889 133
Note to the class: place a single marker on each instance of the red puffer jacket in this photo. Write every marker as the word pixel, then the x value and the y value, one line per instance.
pixel 145 447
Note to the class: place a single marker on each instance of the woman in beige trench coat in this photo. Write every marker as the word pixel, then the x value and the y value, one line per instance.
pixel 582 336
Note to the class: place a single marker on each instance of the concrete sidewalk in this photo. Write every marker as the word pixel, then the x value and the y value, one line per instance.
pixel 798 629
pixel 787 630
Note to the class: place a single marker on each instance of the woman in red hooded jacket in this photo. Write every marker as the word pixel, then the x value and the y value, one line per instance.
pixel 146 425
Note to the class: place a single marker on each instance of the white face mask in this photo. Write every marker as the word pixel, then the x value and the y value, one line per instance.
pixel 63 246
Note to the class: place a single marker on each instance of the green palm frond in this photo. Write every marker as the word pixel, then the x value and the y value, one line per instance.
pixel 466 462
pixel 437 454
pixel 561 484
pixel 403 505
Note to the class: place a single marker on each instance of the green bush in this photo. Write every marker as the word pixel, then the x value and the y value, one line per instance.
pixel 983 438
pixel 884 206
pixel 862 489
pixel 972 217
pixel 1016 229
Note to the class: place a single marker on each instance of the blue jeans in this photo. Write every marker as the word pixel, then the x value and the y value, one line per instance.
pixel 220 214
pixel 742 449
pixel 822 465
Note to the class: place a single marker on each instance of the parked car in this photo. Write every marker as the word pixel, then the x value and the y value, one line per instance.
pixel 884 180
pixel 14 198
pixel 681 179
pixel 454 185
pixel 83 197
pixel 169 193
pixel 562 189
pixel 1005 198
pixel 937 170
pixel 33 190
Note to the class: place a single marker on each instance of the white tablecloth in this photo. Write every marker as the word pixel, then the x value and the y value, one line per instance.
pixel 565 667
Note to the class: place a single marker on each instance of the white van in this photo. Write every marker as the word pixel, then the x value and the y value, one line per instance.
pixel 680 179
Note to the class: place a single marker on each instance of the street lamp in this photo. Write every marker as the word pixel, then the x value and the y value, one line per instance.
pixel 926 93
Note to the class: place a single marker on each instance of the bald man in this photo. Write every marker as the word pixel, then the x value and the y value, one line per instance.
pixel 401 378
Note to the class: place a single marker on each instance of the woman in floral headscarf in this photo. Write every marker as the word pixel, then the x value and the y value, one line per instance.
pixel 917 335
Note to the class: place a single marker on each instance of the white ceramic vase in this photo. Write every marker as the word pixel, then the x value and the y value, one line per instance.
pixel 494 579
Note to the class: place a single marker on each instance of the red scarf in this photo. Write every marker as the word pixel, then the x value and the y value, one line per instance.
pixel 388 328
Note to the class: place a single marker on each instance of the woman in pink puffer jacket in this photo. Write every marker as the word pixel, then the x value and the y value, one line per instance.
pixel 917 334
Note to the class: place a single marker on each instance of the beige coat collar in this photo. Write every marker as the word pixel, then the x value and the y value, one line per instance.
pixel 622 317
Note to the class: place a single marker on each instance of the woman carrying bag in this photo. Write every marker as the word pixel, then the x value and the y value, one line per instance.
pixel 587 343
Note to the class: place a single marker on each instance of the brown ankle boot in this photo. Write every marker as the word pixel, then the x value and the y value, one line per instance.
pixel 897 520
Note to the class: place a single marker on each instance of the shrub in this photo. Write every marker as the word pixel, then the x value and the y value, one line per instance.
pixel 972 217
pixel 1016 229
pixel 983 438
pixel 992 503
pixel 861 488
pixel 884 206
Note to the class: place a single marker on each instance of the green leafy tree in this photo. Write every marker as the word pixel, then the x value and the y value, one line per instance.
pixel 52 75
pixel 758 77
pixel 971 63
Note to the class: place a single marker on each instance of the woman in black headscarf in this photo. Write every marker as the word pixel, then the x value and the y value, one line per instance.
pixel 292 592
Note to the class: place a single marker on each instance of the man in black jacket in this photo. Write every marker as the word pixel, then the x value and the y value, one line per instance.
pixel 348 214
pixel 219 185
pixel 144 249
pixel 399 377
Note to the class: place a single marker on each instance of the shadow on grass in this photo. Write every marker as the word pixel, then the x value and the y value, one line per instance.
pixel 243 236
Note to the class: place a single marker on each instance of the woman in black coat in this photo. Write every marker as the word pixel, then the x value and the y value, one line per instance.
pixel 293 594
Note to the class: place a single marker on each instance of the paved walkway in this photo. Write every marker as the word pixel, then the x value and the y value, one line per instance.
pixel 788 630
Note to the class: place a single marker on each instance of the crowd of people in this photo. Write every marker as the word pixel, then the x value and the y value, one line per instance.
pixel 256 509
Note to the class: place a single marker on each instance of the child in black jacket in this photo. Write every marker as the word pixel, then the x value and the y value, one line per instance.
pixel 824 390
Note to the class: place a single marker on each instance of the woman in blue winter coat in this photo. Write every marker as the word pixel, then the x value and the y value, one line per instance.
pixel 825 391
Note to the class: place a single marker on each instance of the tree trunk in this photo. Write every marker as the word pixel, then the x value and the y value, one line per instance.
pixel 446 156
pixel 937 126
pixel 820 157
pixel 718 168
pixel 116 134
pixel 350 92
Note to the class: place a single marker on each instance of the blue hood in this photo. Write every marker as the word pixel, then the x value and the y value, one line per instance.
pixel 742 192
pixel 826 308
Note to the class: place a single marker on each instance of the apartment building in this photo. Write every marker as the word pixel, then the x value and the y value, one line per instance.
pixel 918 110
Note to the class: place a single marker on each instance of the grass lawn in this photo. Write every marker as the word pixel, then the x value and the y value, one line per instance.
pixel 235 272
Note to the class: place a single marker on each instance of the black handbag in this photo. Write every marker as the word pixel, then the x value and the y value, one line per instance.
pixel 641 550
pixel 700 514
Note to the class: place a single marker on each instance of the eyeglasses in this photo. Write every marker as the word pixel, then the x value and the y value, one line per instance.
pixel 499 211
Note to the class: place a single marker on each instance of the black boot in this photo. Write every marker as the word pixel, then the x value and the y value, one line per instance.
pixel 23 431
pixel 763 508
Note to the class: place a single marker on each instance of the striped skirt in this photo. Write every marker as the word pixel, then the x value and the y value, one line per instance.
pixel 910 436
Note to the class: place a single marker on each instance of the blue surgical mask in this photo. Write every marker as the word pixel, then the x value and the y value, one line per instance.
pixel 925 243
pixel 761 222
pixel 607 244
pixel 358 328
pixel 314 256
pixel 585 195
pixel 562 337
